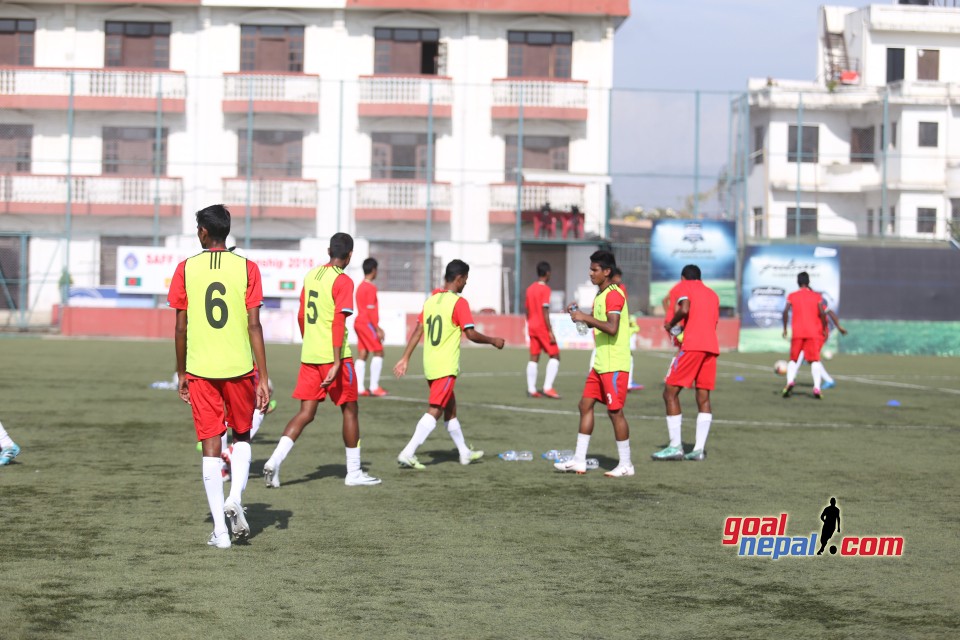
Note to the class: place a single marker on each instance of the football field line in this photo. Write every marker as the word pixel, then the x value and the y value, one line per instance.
pixel 635 416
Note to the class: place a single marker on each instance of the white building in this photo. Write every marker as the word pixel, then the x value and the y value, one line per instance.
pixel 885 72
pixel 118 121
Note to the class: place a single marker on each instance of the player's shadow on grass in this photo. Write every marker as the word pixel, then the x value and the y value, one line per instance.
pixel 321 472
pixel 439 456
pixel 606 462
pixel 686 446
pixel 260 517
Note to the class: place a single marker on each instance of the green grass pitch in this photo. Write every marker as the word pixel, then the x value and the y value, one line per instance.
pixel 104 519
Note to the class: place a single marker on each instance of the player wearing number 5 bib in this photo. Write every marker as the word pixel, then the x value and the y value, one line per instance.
pixel 446 317
pixel 326 368
pixel 217 295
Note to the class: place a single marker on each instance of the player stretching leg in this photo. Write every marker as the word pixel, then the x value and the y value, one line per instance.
pixel 698 309
pixel 541 335
pixel 607 380
pixel 213 342
pixel 326 367
pixel 809 324
pixel 8 448
pixel 369 334
pixel 447 317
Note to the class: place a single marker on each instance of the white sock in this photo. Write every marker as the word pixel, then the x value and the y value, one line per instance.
pixel 361 368
pixel 553 366
pixel 792 367
pixel 827 378
pixel 583 443
pixel 703 430
pixel 630 381
pixel 256 422
pixel 375 368
pixel 673 428
pixel 800 361
pixel 283 448
pixel 531 377
pixel 623 448
pixel 223 441
pixel 239 469
pixel 817 369
pixel 456 433
pixel 213 485
pixel 353 460
pixel 426 425
pixel 5 439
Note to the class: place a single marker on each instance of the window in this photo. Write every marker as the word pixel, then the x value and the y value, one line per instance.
pixel 807 222
pixel 406 51
pixel 15 148
pixel 955 210
pixel 928 64
pixel 132 151
pixel 108 255
pixel 401 266
pixel 546 153
pixel 13 267
pixel 271 48
pixel 539 54
pixel 758 222
pixel 870 222
pixel 926 220
pixel 144 45
pixel 895 65
pixel 861 145
pixel 16 42
pixel 811 144
pixel 892 222
pixel 275 154
pixel 928 134
pixel 399 156
pixel 758 139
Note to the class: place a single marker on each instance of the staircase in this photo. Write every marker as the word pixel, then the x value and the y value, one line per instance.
pixel 837 65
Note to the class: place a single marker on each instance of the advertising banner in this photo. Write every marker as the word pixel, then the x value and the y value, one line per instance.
pixel 769 276
pixel 709 244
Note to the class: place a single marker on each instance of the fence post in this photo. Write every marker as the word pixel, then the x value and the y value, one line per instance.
pixel 696 154
pixel 339 158
pixel 158 140
pixel 68 222
pixel 517 223
pixel 800 157
pixel 248 223
pixel 884 136
pixel 428 240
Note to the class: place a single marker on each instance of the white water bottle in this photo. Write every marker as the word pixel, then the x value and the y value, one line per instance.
pixel 593 463
pixel 582 327
pixel 524 456
pixel 508 456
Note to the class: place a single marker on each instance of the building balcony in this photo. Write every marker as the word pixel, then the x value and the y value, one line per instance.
pixel 271 92
pixel 405 96
pixel 542 99
pixel 129 196
pixel 93 89
pixel 828 178
pixel 401 200
pixel 272 197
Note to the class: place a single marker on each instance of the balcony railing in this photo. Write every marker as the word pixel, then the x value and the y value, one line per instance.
pixel 273 197
pixel 91 195
pixel 401 200
pixel 405 96
pixel 271 92
pixel 541 99
pixel 533 195
pixel 93 89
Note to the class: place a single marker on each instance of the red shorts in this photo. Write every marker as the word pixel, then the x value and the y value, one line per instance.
pixel 809 346
pixel 540 341
pixel 217 401
pixel 691 368
pixel 608 388
pixel 367 335
pixel 342 391
pixel 441 391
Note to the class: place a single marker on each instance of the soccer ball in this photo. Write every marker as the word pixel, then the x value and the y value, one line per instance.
pixel 780 367
pixel 826 354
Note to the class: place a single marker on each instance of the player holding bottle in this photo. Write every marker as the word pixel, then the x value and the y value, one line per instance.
pixel 447 317
pixel 326 367
pixel 809 325
pixel 541 335
pixel 607 380
pixel 369 334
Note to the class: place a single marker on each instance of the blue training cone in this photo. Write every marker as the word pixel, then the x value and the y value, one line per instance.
pixel 893 403
pixel 739 378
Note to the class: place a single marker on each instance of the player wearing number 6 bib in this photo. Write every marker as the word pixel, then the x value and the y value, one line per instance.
pixel 326 368
pixel 446 317
pixel 217 295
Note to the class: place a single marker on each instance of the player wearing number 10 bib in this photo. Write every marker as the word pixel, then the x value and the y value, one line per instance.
pixel 217 295
pixel 447 317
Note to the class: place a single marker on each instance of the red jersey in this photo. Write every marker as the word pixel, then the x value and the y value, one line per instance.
pixel 177 296
pixel 368 309
pixel 538 299
pixel 462 317
pixel 676 295
pixel 700 330
pixel 805 305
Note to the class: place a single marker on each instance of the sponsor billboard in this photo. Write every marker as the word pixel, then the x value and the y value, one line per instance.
pixel 709 244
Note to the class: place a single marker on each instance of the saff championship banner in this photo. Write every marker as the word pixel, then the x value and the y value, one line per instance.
pixel 709 244
pixel 149 269
pixel 769 276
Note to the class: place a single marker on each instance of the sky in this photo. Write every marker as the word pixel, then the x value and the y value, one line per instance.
pixel 688 45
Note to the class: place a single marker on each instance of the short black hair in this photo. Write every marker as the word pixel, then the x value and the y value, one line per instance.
pixel 616 272
pixel 456 268
pixel 216 220
pixel 341 244
pixel 803 279
pixel 605 259
pixel 543 268
pixel 369 265
pixel 690 272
